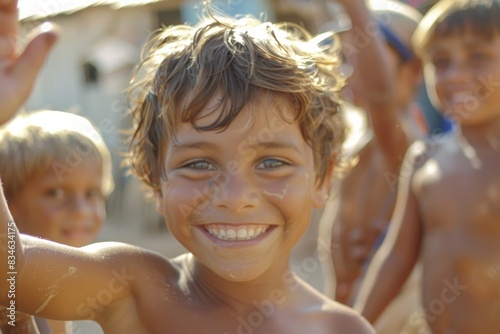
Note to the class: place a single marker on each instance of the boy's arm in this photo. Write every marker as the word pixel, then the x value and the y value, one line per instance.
pixel 43 278
pixel 18 71
pixel 377 71
pixel 399 252
pixel 56 281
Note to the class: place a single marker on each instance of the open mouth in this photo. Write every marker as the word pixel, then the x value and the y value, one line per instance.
pixel 462 100
pixel 236 233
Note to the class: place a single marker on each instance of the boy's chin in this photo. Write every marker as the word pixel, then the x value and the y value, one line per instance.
pixel 470 120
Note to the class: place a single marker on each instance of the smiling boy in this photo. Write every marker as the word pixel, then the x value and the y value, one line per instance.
pixel 236 131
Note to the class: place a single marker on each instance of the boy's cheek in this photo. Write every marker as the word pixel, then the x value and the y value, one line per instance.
pixel 320 196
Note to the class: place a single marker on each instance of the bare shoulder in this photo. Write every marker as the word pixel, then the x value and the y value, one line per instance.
pixel 423 150
pixel 132 256
pixel 342 319
pixel 330 316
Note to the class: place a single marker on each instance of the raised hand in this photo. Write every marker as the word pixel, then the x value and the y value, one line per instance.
pixel 19 68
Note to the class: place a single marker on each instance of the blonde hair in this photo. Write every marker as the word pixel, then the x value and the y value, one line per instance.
pixel 33 142
pixel 243 60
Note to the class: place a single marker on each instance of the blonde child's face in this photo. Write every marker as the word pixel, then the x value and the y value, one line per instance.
pixel 65 207
pixel 462 73
pixel 240 199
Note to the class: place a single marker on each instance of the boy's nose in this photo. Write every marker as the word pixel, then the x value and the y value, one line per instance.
pixel 235 193
pixel 458 72
pixel 80 206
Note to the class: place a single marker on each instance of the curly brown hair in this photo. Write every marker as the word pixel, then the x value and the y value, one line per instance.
pixel 240 60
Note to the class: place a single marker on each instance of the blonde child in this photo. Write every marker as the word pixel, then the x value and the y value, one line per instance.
pixel 57 175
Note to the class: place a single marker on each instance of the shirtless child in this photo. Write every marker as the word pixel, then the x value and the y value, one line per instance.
pixel 236 128
pixel 385 78
pixel 56 172
pixel 448 206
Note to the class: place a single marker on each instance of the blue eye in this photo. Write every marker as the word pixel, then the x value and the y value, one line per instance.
pixel 271 164
pixel 201 164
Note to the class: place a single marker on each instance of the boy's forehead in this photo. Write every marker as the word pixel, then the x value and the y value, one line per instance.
pixel 268 105
pixel 255 125
pixel 466 37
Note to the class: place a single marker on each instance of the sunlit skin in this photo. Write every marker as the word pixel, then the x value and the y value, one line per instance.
pixel 266 181
pixel 359 209
pixel 224 285
pixel 448 210
pixel 66 208
pixel 463 70
pixel 18 70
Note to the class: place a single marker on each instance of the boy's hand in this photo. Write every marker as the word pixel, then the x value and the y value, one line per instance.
pixel 19 68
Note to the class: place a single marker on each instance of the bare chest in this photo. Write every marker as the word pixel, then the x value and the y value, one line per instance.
pixel 455 191
pixel 162 308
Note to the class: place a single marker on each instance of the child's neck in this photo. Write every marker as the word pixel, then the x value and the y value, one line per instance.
pixel 486 135
pixel 240 295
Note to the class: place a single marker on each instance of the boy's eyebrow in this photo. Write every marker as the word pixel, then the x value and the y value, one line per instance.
pixel 276 145
pixel 281 145
pixel 469 44
pixel 179 147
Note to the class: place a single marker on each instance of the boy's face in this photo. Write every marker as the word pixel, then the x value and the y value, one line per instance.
pixel 65 205
pixel 462 73
pixel 240 199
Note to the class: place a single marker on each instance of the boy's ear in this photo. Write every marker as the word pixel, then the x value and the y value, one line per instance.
pixel 323 187
pixel 159 201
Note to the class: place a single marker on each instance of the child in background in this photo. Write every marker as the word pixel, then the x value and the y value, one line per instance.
pixel 57 174
pixel 447 211
pixel 385 78
pixel 383 86
pixel 236 128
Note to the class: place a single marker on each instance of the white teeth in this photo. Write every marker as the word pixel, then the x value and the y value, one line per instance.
pixel 459 98
pixel 231 234
pixel 244 232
